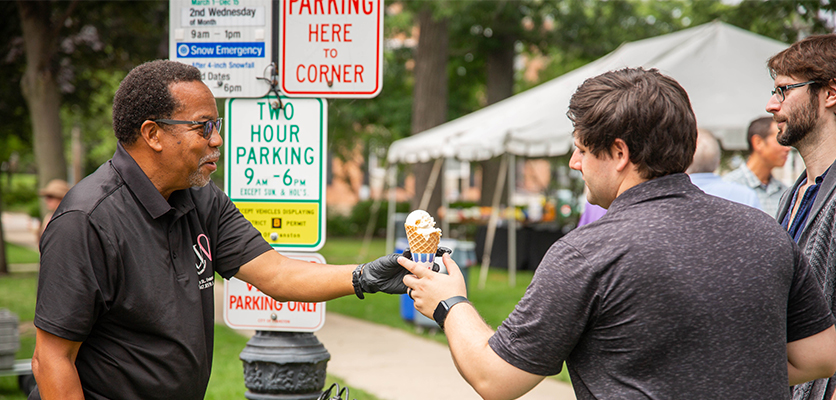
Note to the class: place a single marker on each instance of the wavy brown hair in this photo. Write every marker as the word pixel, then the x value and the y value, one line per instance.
pixel 649 111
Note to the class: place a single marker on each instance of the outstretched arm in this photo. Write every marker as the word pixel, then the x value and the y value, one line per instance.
pixel 468 334
pixel 286 279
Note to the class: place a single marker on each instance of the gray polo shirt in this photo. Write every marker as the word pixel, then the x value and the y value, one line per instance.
pixel 130 275
pixel 672 294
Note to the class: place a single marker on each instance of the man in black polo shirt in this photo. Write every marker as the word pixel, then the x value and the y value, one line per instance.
pixel 125 302
pixel 672 294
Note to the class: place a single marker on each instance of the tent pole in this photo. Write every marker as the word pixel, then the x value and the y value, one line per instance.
pixel 428 191
pixel 497 194
pixel 512 221
pixel 445 225
pixel 391 176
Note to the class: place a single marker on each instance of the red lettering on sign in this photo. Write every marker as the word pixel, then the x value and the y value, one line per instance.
pixel 358 73
pixel 305 4
pixel 344 7
pixel 324 73
pixel 320 32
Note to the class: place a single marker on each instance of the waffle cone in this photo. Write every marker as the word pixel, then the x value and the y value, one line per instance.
pixel 419 244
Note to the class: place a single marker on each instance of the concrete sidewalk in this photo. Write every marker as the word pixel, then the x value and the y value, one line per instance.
pixel 396 365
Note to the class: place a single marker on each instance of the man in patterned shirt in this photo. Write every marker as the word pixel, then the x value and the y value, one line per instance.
pixel 765 153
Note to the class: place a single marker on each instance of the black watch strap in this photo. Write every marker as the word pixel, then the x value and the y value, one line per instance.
pixel 440 314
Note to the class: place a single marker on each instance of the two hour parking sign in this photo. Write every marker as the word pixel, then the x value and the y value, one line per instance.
pixel 275 168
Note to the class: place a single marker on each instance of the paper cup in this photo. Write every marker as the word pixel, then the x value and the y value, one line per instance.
pixel 425 259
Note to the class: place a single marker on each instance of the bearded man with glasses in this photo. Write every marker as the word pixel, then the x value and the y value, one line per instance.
pixel 804 106
pixel 125 303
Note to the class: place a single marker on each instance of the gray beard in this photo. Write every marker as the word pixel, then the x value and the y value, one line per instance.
pixel 198 180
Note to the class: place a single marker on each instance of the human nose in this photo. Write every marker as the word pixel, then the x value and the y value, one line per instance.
pixel 216 140
pixel 774 103
pixel 575 160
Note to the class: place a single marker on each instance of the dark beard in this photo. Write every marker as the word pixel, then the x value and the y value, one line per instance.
pixel 799 125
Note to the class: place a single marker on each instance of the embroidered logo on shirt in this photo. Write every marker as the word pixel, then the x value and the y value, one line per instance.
pixel 202 251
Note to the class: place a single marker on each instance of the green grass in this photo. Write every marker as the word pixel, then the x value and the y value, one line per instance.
pixel 21 255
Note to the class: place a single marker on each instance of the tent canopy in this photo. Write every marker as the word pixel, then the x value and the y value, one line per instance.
pixel 722 67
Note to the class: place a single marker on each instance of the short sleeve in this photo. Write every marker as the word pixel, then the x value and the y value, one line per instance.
pixel 807 309
pixel 74 282
pixel 239 242
pixel 550 319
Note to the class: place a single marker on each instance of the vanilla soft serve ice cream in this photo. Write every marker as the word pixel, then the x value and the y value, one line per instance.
pixel 423 237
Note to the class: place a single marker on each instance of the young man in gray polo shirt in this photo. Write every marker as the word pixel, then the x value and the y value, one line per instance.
pixel 672 294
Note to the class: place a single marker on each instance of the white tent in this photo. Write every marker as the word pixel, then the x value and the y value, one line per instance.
pixel 722 67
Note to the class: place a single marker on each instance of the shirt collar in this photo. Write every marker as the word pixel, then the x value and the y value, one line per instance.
pixel 145 191
pixel 673 185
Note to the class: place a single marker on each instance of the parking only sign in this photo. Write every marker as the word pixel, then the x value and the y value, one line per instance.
pixel 230 42
pixel 331 48
pixel 275 168
pixel 246 307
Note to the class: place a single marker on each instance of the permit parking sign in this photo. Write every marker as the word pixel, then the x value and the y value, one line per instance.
pixel 246 307
pixel 228 40
pixel 331 48
pixel 275 168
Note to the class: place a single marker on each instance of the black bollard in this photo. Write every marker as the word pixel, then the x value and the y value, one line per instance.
pixel 284 365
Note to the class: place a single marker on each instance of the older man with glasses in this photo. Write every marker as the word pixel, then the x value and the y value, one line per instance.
pixel 125 302
pixel 804 106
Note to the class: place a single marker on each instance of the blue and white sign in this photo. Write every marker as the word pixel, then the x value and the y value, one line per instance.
pixel 220 50
pixel 228 40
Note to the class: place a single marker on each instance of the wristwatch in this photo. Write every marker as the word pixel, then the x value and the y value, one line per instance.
pixel 444 307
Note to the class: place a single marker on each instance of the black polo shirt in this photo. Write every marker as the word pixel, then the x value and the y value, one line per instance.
pixel 130 275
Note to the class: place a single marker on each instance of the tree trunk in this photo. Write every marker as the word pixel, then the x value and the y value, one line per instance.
pixel 500 68
pixel 429 102
pixel 4 266
pixel 40 89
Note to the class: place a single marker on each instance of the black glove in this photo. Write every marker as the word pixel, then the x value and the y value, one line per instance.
pixel 385 274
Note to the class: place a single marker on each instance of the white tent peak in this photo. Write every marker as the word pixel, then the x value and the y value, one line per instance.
pixel 722 67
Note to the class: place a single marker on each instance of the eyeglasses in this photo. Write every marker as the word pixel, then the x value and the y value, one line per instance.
pixel 782 90
pixel 208 126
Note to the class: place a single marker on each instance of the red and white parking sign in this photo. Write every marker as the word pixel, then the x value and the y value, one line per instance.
pixel 246 307
pixel 331 48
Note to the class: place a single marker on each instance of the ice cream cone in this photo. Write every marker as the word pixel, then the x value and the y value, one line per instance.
pixel 418 243
pixel 423 237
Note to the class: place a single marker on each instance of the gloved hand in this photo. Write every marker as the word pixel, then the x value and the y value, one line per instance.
pixel 385 274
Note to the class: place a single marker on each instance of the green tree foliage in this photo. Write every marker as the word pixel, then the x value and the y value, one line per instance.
pixel 96 44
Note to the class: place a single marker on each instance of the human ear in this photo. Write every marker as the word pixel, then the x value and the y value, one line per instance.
pixel 830 94
pixel 150 132
pixel 621 153
pixel 757 142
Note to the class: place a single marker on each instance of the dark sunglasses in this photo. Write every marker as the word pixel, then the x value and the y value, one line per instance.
pixel 208 126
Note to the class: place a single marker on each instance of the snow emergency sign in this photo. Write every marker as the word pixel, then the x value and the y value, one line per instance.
pixel 230 42
pixel 331 48
pixel 246 307
pixel 274 161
